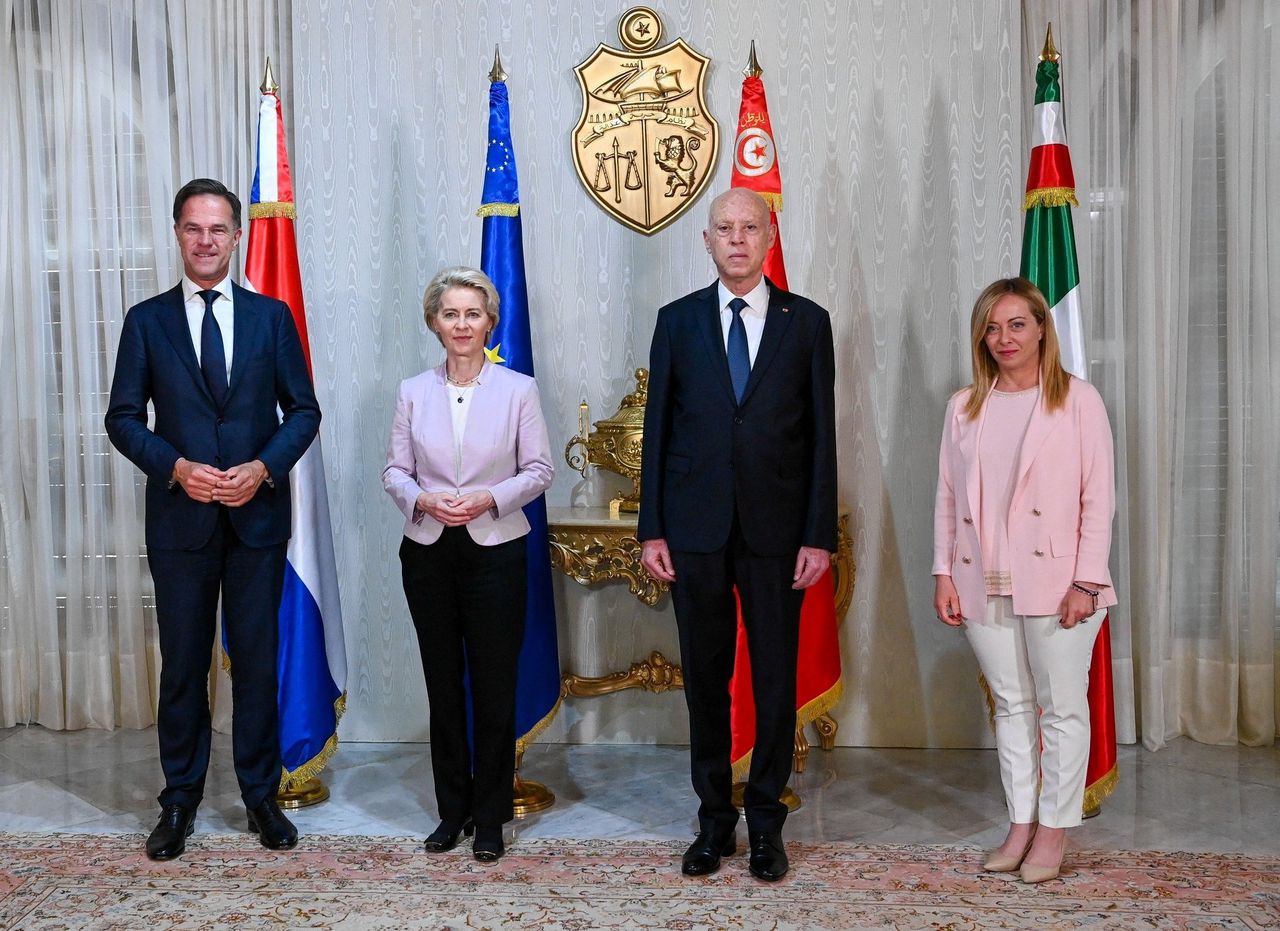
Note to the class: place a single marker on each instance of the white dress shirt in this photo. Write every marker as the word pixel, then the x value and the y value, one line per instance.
pixel 223 312
pixel 752 315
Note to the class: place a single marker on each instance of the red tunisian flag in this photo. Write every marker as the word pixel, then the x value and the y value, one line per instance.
pixel 818 676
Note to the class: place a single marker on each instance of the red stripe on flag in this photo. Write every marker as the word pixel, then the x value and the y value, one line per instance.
pixel 1050 167
pixel 271 264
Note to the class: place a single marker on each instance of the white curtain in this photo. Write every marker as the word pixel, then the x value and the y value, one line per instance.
pixel 1174 116
pixel 903 136
pixel 107 107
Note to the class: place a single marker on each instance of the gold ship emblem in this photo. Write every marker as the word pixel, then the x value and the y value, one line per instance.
pixel 645 143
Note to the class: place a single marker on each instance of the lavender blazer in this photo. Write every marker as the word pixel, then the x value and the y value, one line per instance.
pixel 504 451
pixel 1060 512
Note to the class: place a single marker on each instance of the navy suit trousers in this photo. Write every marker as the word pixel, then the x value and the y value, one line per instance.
pixel 188 584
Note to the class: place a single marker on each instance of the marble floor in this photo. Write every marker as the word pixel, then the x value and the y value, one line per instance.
pixel 1188 796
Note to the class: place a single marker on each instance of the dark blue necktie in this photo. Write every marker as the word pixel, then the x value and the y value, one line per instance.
pixel 213 356
pixel 739 355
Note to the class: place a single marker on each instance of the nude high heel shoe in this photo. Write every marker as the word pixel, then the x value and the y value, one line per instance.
pixel 998 862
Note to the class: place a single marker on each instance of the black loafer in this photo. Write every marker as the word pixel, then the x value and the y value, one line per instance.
pixel 487 846
pixel 768 857
pixel 274 830
pixel 168 838
pixel 703 856
pixel 445 837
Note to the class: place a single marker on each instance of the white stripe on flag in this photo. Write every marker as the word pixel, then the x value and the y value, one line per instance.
pixel 311 553
pixel 1067 318
pixel 268 136
pixel 1047 128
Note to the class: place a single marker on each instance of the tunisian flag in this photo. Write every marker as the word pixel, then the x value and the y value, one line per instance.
pixel 818 676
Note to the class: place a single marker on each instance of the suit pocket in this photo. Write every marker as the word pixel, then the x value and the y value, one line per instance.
pixel 681 464
pixel 1063 544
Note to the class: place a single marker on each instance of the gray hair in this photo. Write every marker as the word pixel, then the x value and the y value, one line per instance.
pixel 458 276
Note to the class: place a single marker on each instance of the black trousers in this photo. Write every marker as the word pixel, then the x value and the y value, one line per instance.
pixel 468 606
pixel 187 584
pixel 706 616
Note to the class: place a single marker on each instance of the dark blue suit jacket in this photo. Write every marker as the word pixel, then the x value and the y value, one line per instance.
pixel 156 362
pixel 772 458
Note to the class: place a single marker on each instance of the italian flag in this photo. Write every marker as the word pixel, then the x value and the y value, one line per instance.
pixel 1049 261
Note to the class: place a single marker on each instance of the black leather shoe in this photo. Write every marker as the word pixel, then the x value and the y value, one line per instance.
pixel 274 830
pixel 703 856
pixel 768 857
pixel 169 837
pixel 487 846
pixel 445 837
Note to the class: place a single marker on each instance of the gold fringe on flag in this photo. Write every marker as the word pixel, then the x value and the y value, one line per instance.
pixel 293 779
pixel 808 713
pixel 1050 197
pixel 522 743
pixel 498 210
pixel 1094 794
pixel 272 208
pixel 773 200
pixel 290 780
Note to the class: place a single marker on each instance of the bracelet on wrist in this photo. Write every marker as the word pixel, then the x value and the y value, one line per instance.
pixel 1085 591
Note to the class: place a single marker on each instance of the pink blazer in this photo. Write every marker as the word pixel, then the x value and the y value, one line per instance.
pixel 504 450
pixel 1059 515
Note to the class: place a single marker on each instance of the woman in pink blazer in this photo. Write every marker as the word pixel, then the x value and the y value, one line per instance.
pixel 468 450
pixel 1022 538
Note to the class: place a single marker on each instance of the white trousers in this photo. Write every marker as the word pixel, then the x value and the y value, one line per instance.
pixel 1039 676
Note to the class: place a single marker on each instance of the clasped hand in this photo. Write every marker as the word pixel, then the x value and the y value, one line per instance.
pixel 454 510
pixel 232 487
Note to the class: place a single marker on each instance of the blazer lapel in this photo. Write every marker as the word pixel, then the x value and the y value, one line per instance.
pixel 708 316
pixel 777 320
pixel 1041 425
pixel 176 330
pixel 246 324
pixel 970 431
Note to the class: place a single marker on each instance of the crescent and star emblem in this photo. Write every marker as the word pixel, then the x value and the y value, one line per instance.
pixel 753 154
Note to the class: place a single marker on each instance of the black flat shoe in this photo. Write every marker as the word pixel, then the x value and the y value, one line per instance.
pixel 169 837
pixel 445 837
pixel 703 856
pixel 487 846
pixel 768 857
pixel 274 830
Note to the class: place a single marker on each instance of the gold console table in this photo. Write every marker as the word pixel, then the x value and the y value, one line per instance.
pixel 592 545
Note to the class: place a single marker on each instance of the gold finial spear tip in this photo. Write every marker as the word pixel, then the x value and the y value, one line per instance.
pixel 269 85
pixel 753 69
pixel 1049 53
pixel 496 73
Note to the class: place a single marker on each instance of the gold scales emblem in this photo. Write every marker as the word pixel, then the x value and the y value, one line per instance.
pixel 645 143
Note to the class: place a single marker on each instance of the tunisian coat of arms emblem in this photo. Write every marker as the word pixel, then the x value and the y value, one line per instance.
pixel 645 143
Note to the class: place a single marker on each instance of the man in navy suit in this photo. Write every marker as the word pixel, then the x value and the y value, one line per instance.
pixel 738 488
pixel 234 409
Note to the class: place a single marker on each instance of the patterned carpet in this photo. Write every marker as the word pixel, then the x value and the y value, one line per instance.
pixel 227 881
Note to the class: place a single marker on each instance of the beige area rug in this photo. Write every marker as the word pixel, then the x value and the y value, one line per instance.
pixel 228 881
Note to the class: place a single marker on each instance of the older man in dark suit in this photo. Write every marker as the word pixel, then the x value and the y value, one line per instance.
pixel 738 488
pixel 224 372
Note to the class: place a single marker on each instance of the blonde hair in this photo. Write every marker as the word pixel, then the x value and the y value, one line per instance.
pixel 1054 380
pixel 458 276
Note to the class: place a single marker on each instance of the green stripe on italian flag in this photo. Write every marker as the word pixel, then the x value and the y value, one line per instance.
pixel 1049 241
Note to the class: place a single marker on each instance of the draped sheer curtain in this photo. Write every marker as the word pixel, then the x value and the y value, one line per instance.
pixel 903 133
pixel 1174 113
pixel 107 108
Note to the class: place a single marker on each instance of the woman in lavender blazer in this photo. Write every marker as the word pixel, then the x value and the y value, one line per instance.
pixel 468 450
pixel 1022 537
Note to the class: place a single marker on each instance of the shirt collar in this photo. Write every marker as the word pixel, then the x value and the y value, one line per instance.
pixel 190 289
pixel 757 298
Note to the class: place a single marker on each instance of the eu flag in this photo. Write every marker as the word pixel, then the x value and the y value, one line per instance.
pixel 502 259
